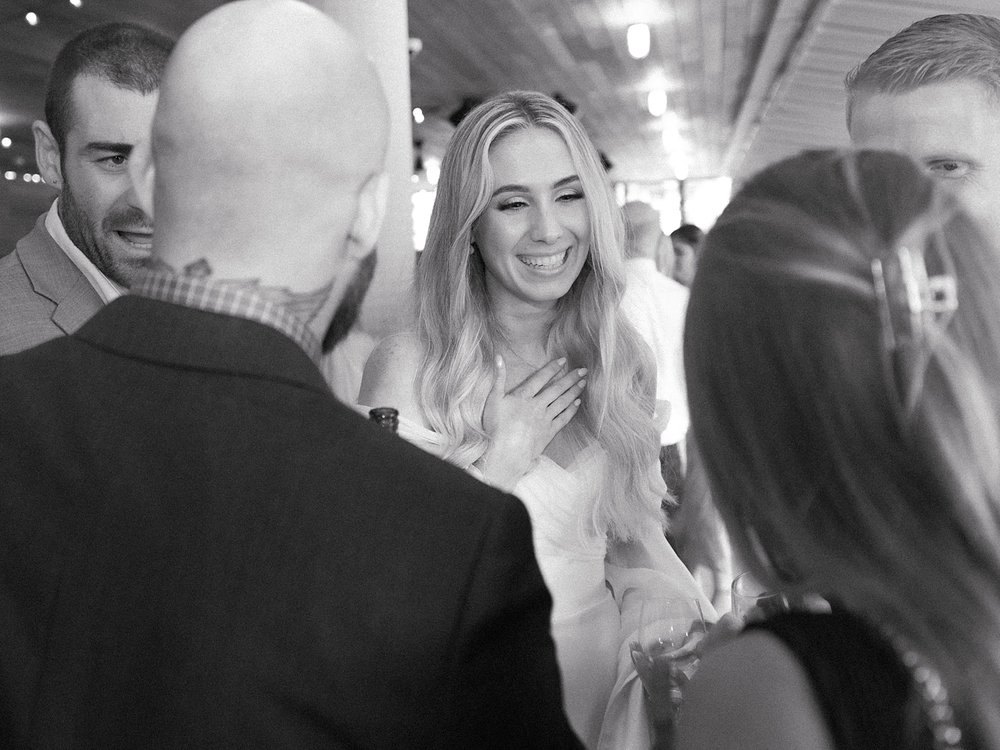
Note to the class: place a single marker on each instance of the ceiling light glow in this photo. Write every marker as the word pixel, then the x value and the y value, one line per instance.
pixel 656 102
pixel 637 40
pixel 418 115
pixel 32 18
pixel 76 3
pixel 5 142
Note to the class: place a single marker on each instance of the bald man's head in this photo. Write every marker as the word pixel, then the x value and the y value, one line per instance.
pixel 642 224
pixel 271 126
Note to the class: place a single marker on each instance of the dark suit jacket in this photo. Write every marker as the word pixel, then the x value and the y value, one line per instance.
pixel 200 547
pixel 43 295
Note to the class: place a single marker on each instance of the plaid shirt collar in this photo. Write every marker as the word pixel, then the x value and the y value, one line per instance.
pixel 227 298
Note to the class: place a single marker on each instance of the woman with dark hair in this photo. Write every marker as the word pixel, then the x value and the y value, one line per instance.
pixel 524 371
pixel 842 348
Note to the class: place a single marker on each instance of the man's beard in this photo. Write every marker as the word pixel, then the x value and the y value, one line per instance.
pixel 95 241
pixel 349 307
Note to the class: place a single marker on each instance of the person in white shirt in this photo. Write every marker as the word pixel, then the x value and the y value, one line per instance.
pixel 655 305
pixel 84 251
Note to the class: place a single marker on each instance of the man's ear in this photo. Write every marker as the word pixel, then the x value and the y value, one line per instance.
pixel 372 200
pixel 47 154
pixel 142 172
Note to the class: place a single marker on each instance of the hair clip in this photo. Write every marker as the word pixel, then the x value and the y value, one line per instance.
pixel 912 307
pixel 910 300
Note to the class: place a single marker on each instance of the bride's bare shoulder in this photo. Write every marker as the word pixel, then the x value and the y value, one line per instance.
pixel 402 349
pixel 390 374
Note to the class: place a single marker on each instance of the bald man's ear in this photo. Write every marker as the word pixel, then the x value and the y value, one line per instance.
pixel 142 173
pixel 372 200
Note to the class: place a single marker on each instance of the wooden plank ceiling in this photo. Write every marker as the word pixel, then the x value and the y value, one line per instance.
pixel 748 81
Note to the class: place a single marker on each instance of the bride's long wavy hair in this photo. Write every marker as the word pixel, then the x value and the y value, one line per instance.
pixel 461 334
pixel 829 480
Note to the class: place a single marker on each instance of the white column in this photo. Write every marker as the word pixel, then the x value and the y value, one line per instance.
pixel 381 27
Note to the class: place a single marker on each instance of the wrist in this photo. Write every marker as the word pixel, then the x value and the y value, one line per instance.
pixel 496 473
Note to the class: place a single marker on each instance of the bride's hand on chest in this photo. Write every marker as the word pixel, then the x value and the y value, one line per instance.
pixel 521 421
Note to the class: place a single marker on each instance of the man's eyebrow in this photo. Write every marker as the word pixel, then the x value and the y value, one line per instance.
pixel 948 156
pixel 524 189
pixel 118 148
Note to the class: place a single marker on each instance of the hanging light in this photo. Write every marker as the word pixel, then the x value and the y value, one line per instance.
pixel 637 40
pixel 418 115
pixel 31 17
pixel 5 142
pixel 679 165
pixel 656 102
pixel 76 3
pixel 432 169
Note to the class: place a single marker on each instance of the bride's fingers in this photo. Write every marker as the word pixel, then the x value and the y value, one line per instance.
pixel 536 382
pixel 560 385
pixel 562 419
pixel 567 397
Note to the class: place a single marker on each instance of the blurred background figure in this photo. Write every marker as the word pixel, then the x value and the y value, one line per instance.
pixel 655 304
pixel 842 348
pixel 524 370
pixel 686 242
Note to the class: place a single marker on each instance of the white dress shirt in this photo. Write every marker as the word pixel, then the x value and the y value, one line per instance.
pixel 656 305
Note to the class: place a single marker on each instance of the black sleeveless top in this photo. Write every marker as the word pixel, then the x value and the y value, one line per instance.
pixel 866 692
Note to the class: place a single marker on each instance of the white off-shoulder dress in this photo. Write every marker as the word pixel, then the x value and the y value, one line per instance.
pixel 596 590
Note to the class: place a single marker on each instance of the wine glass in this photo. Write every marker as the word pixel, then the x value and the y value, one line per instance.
pixel 749 594
pixel 665 654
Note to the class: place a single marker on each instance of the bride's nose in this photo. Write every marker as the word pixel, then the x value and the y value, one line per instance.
pixel 545 226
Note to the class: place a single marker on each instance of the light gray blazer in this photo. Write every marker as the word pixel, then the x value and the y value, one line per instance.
pixel 42 293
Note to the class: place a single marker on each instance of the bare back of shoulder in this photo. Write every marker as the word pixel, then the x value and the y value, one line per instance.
pixel 390 376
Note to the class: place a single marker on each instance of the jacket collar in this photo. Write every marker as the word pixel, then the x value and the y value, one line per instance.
pixel 55 277
pixel 178 336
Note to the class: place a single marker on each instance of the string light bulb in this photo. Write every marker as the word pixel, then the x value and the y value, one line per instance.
pixel 418 115
pixel 31 17
pixel 637 40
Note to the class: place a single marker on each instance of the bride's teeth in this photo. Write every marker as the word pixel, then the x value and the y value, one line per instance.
pixel 548 261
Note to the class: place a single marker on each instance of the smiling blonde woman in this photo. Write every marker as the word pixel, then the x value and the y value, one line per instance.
pixel 523 371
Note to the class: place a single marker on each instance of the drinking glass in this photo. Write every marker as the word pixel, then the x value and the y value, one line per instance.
pixel 749 594
pixel 665 654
